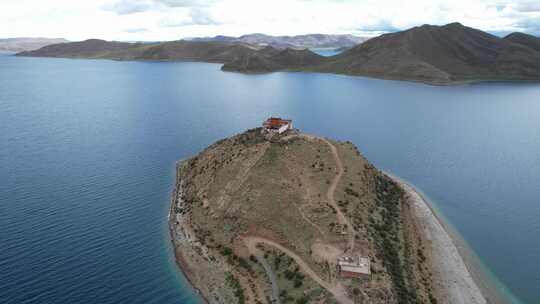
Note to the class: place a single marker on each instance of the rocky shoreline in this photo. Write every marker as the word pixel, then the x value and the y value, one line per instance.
pixel 176 231
pixel 458 282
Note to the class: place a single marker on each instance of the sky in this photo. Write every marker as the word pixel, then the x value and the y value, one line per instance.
pixel 159 20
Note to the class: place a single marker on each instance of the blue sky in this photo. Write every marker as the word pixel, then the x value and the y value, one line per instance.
pixel 153 20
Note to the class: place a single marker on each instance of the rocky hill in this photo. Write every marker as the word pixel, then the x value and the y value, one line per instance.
pixel 270 59
pixel 293 42
pixel 527 40
pixel 265 219
pixel 27 44
pixel 174 50
pixel 439 54
pixel 435 54
pixel 92 48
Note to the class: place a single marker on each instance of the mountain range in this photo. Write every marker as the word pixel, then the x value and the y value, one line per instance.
pixel 27 44
pixel 447 54
pixel 441 54
pixel 309 41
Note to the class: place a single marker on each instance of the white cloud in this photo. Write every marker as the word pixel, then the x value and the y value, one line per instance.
pixel 125 7
pixel 135 30
pixel 174 19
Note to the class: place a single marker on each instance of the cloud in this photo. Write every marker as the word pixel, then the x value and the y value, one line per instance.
pixel 185 3
pixel 530 25
pixel 379 26
pixel 195 16
pixel 125 7
pixel 201 17
pixel 528 6
pixel 173 19
pixel 136 30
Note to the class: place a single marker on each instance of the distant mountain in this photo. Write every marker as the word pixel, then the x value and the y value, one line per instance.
pixel 441 54
pixel 294 42
pixel 27 44
pixel 527 40
pixel 432 54
pixel 174 50
pixel 236 57
pixel 271 59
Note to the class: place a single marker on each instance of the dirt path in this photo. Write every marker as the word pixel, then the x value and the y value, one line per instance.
pixel 337 290
pixel 343 220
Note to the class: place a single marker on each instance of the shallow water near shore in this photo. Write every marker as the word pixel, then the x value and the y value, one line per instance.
pixel 88 149
pixel 492 289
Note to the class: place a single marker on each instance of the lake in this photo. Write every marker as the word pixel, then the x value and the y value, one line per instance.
pixel 326 52
pixel 88 148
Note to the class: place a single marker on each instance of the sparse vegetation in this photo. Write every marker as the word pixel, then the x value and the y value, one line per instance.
pixel 235 285
pixel 388 238
pixel 277 189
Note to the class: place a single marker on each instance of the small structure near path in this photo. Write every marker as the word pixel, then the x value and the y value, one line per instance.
pixel 353 267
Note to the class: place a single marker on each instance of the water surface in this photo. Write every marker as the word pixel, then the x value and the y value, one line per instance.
pixel 87 153
pixel 326 52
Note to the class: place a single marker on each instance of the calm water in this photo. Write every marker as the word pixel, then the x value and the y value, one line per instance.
pixel 87 150
pixel 326 51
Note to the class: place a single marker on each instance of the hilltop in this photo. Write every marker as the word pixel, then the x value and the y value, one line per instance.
pixel 258 218
pixel 527 40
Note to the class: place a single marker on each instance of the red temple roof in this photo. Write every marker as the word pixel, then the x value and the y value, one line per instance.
pixel 275 123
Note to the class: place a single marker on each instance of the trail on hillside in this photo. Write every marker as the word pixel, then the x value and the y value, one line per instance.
pixel 330 195
pixel 337 290
pixel 342 219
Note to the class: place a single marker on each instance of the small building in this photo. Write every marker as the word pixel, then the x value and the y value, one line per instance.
pixel 277 125
pixel 353 267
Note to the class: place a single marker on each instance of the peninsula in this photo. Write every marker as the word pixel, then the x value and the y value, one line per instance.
pixel 274 215
pixel 449 54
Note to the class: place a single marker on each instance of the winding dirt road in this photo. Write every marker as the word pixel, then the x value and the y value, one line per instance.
pixel 337 290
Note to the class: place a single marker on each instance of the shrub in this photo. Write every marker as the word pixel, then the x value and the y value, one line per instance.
pixel 226 251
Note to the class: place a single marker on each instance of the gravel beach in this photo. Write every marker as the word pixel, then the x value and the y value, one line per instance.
pixel 454 280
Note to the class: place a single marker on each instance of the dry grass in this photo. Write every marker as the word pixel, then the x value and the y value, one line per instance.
pixel 276 189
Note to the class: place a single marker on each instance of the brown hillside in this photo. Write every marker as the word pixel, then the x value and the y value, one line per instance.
pixel 439 54
pixel 270 59
pixel 251 208
pixel 529 41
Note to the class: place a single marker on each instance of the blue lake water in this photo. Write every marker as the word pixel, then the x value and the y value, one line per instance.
pixel 87 154
pixel 327 52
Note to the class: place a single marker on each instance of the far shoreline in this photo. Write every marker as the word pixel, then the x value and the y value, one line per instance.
pixel 452 83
